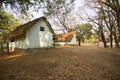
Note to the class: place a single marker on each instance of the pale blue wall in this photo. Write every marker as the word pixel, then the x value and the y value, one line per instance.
pixel 35 38
pixel 73 41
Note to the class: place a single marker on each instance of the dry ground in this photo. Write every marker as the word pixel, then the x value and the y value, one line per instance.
pixel 62 63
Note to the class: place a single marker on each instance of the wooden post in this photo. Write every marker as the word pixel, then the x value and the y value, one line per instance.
pixel 8 47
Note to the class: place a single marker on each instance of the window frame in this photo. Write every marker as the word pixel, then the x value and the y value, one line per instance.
pixel 42 28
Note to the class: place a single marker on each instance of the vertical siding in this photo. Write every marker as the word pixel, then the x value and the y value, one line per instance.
pixel 21 42
pixel 45 37
pixel 35 38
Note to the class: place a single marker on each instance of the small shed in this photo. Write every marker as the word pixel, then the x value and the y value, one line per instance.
pixel 66 39
pixel 37 33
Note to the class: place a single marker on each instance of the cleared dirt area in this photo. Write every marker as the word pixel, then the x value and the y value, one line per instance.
pixel 62 63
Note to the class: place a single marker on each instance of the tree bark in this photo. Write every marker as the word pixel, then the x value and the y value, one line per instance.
pixel 116 39
pixel 118 21
pixel 111 39
pixel 7 47
pixel 79 42
pixel 1 46
pixel 103 39
pixel 102 33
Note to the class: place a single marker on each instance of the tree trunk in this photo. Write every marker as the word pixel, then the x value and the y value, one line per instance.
pixel 1 46
pixel 111 39
pixel 103 39
pixel 116 40
pixel 102 34
pixel 118 21
pixel 79 42
pixel 7 47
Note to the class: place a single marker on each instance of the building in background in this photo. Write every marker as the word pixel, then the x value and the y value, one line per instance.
pixel 66 39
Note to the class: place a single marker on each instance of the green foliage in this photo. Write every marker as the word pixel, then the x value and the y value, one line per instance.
pixel 23 8
pixel 83 31
pixel 91 40
pixel 25 5
pixel 20 5
pixel 7 23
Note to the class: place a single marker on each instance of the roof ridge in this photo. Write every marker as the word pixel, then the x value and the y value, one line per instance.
pixel 19 30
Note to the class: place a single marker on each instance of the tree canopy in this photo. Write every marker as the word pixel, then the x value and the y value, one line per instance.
pixel 83 31
pixel 57 9
pixel 107 18
pixel 7 23
pixel 60 10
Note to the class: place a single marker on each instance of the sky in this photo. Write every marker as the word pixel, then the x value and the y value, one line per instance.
pixel 78 3
pixel 78 12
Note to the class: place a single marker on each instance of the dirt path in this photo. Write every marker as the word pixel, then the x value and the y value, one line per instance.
pixel 65 63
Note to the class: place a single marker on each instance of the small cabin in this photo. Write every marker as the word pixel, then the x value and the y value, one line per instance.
pixel 37 33
pixel 66 39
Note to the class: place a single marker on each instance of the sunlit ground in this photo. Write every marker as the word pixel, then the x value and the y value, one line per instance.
pixel 4 55
pixel 62 63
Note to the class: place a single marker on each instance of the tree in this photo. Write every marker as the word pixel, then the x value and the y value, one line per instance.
pixel 23 8
pixel 112 11
pixel 21 5
pixel 83 31
pixel 60 10
pixel 7 23
pixel 107 17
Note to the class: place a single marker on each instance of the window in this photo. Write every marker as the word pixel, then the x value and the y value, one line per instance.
pixel 42 28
